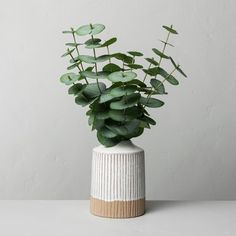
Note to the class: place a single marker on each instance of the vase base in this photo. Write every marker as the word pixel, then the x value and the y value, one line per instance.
pixel 117 209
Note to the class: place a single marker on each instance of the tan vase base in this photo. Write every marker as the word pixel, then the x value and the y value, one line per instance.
pixel 117 209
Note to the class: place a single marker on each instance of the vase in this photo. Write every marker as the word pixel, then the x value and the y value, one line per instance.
pixel 118 181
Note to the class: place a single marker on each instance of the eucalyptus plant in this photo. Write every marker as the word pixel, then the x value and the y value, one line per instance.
pixel 116 88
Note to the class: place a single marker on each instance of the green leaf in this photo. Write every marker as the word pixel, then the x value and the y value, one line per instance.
pixel 137 132
pixel 86 59
pixel 148 120
pixel 125 115
pixel 170 78
pixel 94 75
pixel 105 97
pixel 123 57
pixel 97 124
pixel 152 61
pixel 107 133
pixel 127 129
pixel 152 71
pixel 90 29
pixel 92 46
pixel 167 43
pixel 102 115
pixel 111 68
pixel 135 54
pixel 108 142
pixel 120 91
pixel 125 102
pixel 73 66
pixel 181 72
pixel 151 102
pixel 91 119
pixel 173 62
pixel 67 32
pixel 69 78
pixel 80 99
pixel 75 89
pixel 170 29
pixel 177 67
pixel 73 44
pixel 158 86
pixel 69 51
pixel 109 42
pixel 92 41
pixel 92 90
pixel 159 53
pixel 134 66
pixel 120 76
pixel 137 82
pixel 103 58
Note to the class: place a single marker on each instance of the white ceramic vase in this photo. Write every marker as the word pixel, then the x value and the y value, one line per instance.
pixel 118 181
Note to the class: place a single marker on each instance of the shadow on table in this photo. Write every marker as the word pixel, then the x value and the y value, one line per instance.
pixel 152 206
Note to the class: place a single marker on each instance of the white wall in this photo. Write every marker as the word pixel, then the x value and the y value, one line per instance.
pixel 45 148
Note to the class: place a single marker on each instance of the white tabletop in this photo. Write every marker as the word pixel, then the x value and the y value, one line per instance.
pixel 72 218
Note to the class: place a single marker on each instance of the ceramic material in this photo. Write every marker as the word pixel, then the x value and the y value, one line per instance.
pixel 118 181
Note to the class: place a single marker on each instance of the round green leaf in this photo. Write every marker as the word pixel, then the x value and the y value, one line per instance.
pixel 92 41
pixel 134 66
pixel 94 75
pixel 107 133
pixel 111 68
pixel 103 58
pixel 80 99
pixel 120 76
pixel 158 86
pixel 75 89
pixel 69 78
pixel 86 59
pixel 124 115
pixel 92 90
pixel 152 61
pixel 90 29
pixel 109 42
pixel 126 90
pixel 137 82
pixel 108 142
pixel 105 97
pixel 147 119
pixel 151 102
pixel 125 102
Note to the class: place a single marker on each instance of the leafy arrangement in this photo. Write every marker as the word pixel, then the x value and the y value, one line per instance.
pixel 111 86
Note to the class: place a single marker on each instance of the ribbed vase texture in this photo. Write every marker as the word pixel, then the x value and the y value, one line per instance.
pixel 118 181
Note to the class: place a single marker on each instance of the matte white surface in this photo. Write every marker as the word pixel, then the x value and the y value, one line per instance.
pixel 45 141
pixel 63 218
pixel 118 173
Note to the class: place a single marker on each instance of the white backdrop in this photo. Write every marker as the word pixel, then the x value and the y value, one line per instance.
pixel 45 142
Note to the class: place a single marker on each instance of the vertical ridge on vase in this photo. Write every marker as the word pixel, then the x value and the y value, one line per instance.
pixel 118 183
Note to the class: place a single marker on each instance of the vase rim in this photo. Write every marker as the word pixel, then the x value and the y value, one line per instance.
pixel 125 146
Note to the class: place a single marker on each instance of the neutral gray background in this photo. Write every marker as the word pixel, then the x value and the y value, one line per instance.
pixel 45 142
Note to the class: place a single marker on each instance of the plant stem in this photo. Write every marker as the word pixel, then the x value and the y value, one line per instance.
pixel 163 51
pixel 146 73
pixel 149 95
pixel 96 67
pixel 76 46
pixel 164 47
pixel 78 67
pixel 108 52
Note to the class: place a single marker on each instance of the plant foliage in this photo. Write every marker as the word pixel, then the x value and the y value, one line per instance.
pixel 111 84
